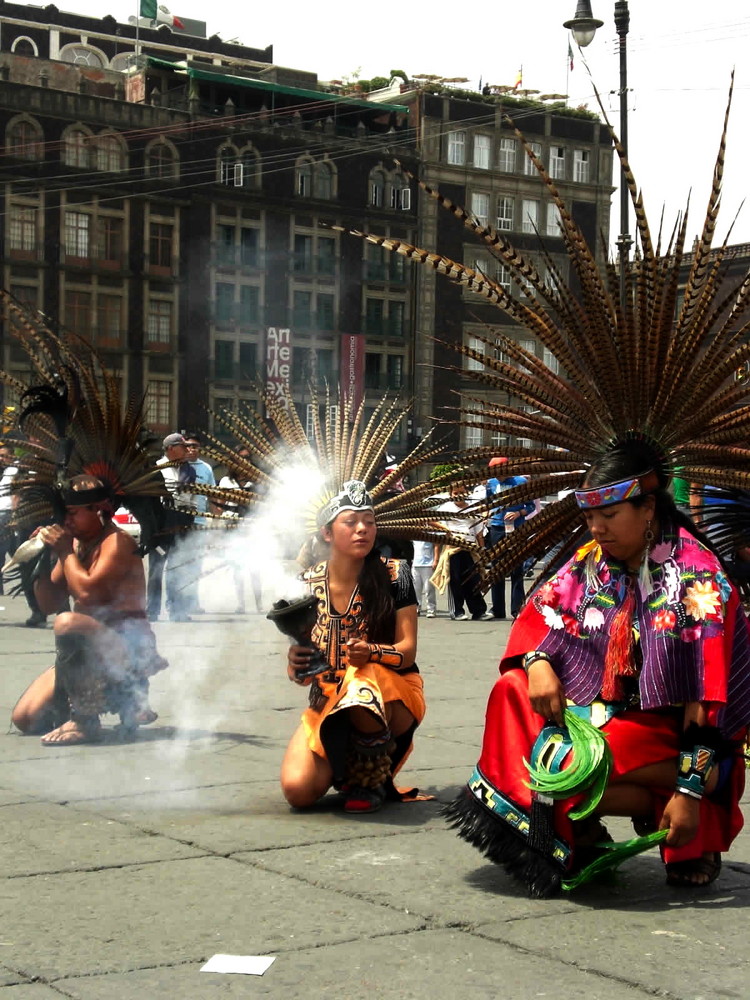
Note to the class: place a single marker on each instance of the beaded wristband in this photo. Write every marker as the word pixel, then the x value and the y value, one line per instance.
pixel 694 768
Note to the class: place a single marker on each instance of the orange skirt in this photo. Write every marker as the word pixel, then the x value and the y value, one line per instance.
pixel 370 687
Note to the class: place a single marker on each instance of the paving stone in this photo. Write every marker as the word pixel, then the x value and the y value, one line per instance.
pixel 119 919
pixel 40 837
pixel 442 965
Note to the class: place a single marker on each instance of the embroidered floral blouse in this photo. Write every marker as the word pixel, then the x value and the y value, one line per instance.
pixel 693 634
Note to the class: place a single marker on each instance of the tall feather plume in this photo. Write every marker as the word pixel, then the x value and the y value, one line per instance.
pixel 343 446
pixel 77 424
pixel 636 366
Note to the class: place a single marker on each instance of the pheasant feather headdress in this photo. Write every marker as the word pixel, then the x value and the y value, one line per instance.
pixel 75 423
pixel 275 454
pixel 654 364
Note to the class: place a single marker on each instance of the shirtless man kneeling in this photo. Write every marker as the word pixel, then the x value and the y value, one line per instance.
pixel 105 649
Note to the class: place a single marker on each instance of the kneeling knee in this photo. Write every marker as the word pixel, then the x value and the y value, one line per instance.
pixel 298 793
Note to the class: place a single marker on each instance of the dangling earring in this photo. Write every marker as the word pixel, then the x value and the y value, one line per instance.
pixel 644 575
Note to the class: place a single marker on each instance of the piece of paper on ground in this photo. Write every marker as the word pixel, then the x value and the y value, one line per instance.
pixel 248 965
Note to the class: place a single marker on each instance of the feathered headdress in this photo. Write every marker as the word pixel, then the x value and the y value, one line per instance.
pixel 652 365
pixel 75 422
pixel 275 454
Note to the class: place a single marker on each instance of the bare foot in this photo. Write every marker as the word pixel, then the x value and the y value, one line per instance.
pixel 72 734
pixel 695 871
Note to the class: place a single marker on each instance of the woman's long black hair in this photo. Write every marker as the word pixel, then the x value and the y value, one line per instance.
pixel 377 599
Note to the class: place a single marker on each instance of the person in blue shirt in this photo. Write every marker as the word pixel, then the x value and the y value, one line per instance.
pixel 503 520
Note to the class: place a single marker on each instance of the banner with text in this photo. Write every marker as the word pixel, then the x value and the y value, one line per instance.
pixel 278 362
pixel 352 369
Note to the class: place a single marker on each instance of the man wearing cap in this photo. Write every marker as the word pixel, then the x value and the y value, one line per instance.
pixel 170 551
pixel 105 649
pixel 503 521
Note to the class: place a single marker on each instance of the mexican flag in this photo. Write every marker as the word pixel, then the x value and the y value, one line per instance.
pixel 159 14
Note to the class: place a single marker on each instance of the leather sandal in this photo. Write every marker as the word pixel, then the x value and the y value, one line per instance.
pixel 681 874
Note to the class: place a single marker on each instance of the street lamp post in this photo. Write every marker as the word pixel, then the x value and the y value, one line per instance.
pixel 583 26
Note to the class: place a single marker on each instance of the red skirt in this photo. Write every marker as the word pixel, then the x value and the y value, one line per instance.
pixel 494 811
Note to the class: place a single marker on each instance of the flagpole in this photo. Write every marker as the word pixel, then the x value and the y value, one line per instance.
pixel 137 32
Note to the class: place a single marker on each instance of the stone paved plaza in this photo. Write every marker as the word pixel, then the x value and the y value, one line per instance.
pixel 126 866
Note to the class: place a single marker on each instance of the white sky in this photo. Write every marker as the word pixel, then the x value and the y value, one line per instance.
pixel 680 56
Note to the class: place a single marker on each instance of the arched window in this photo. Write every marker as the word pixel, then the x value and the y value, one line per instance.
pixel 162 159
pixel 377 187
pixel 77 148
pixel 250 160
pixel 24 139
pixel 24 46
pixel 122 61
pixel 400 192
pixel 324 180
pixel 83 55
pixel 230 168
pixel 110 154
pixel 303 178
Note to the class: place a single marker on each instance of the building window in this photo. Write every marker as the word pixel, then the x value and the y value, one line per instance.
pixel 557 163
pixel 395 369
pixel 224 306
pixel 77 315
pixel 324 181
pixel 530 215
pixel 248 247
pixel 374 312
pixel 457 148
pixel 76 234
pixel 377 188
pixel 24 140
pixel 502 276
pixel 482 152
pixel 224 359
pixel 505 213
pixel 581 166
pixel 22 229
pixel 249 305
pixel 326 317
pixel 111 241
pixel 161 160
pixel 110 325
pixel 303 179
pixel 326 255
pixel 554 223
pixel 160 245
pixel 551 361
pixel 528 167
pixel 395 318
pixel 372 372
pixel 506 159
pixel 472 364
pixel 24 46
pixel 303 254
pixel 159 403
pixel 82 55
pixel 248 361
pixel 159 321
pixel 480 207
pixel 110 154
pixel 250 163
pixel 302 311
pixel 77 148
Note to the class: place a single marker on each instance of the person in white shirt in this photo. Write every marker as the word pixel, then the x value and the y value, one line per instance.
pixel 421 570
